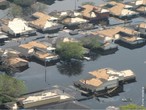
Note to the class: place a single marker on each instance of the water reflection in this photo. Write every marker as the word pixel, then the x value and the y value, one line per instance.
pixel 72 68
pixel 48 2
pixel 132 46
pixel 94 55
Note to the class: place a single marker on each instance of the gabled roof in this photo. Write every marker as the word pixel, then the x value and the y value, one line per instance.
pixel 43 20
pixel 107 32
pixel 117 9
pixel 100 74
pixel 141 9
pixel 93 82
pixel 13 61
pixel 34 44
pixel 142 25
pixel 90 10
pixel 41 15
pixel 113 31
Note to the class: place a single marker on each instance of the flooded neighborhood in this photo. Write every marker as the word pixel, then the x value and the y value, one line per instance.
pixel 72 54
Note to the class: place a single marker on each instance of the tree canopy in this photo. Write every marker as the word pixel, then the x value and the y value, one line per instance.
pixel 15 10
pixel 91 42
pixel 69 50
pixel 10 88
pixel 25 8
pixel 24 2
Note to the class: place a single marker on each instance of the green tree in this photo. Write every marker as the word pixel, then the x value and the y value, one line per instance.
pixel 10 88
pixel 132 107
pixel 69 50
pixel 24 2
pixel 15 10
pixel 91 42
pixel 38 7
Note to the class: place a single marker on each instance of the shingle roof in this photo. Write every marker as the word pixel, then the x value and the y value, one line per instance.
pixel 112 31
pixel 34 44
pixel 142 25
pixel 117 9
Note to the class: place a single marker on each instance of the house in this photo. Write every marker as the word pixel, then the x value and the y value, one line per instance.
pixel 73 22
pixel 40 51
pixel 140 2
pixel 42 98
pixel 142 29
pixel 22 28
pixel 141 10
pixel 45 23
pixel 64 39
pixel 130 37
pixel 94 14
pixel 70 19
pixel 100 82
pixel 62 14
pixel 6 53
pixel 107 35
pixel 103 80
pixel 16 63
pixel 45 56
pixel 118 33
pixel 120 10
pixel 10 60
pixel 107 43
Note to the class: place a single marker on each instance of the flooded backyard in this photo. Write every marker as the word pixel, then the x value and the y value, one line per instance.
pixel 65 74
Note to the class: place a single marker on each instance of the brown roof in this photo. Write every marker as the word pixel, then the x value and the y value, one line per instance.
pixel 126 30
pixel 42 19
pixel 144 2
pixel 93 82
pixel 142 25
pixel 113 31
pixel 100 74
pixel 117 9
pixel 67 20
pixel 141 9
pixel 34 44
pixel 43 55
pixel 88 9
pixel 39 22
pixel 41 15
pixel 13 61
pixel 107 32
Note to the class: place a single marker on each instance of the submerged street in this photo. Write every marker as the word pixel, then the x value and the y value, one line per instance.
pixel 65 75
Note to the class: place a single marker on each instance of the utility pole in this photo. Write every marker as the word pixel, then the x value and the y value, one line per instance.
pixel 45 71
pixel 75 4
pixel 143 92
